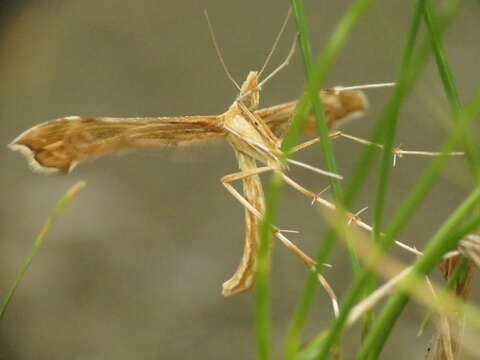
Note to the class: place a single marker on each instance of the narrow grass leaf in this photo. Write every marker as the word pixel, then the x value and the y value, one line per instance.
pixel 389 118
pixel 451 282
pixel 57 210
pixel 447 12
pixel 450 88
pixel 441 243
pixel 316 75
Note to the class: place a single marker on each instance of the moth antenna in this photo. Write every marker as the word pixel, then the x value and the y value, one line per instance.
pixel 219 53
pixel 274 72
pixel 366 86
pixel 277 39
pixel 283 64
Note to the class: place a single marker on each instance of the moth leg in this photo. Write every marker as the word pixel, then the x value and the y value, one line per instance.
pixel 244 174
pixel 305 145
pixel 333 135
pixel 277 232
pixel 396 151
pixel 307 260
pixel 305 191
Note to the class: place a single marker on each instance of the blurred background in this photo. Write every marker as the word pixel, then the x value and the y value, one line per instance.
pixel 134 267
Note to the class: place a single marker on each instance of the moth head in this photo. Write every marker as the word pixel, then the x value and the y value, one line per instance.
pixel 250 91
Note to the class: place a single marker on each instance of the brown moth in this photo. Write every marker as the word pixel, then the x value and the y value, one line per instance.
pixel 255 136
pixel 57 146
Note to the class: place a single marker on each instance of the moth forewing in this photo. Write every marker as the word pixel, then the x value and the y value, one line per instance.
pixel 57 146
pixel 340 107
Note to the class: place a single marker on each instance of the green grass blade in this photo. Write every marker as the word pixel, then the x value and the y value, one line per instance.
pixel 303 306
pixel 424 183
pixel 447 12
pixel 309 352
pixel 317 106
pixel 321 123
pixel 389 117
pixel 451 90
pixel 441 243
pixel 316 76
pixel 445 15
pixel 451 282
pixel 262 276
pixel 320 70
pixel 291 138
pixel 57 210
pixel 443 68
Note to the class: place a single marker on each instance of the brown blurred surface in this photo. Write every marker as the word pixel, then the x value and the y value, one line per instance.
pixel 134 267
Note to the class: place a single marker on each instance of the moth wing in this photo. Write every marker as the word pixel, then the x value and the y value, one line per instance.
pixel 57 146
pixel 340 107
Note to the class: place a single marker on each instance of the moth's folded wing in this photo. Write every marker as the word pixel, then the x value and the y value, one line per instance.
pixel 277 117
pixel 57 146
pixel 342 106
pixel 243 278
pixel 339 106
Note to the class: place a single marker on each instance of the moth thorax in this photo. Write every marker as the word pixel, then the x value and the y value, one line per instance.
pixel 250 92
